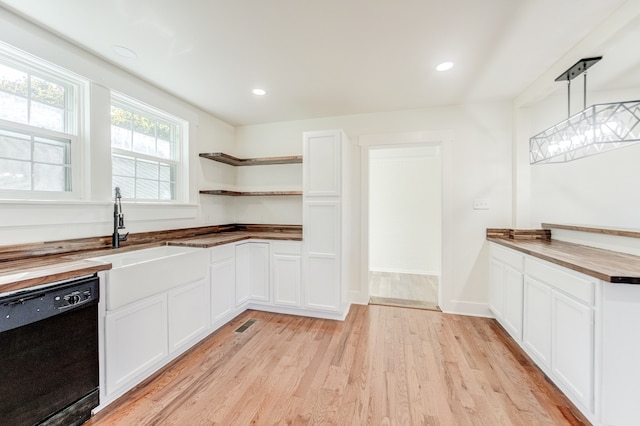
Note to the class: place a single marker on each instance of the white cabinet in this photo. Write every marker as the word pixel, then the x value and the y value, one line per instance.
pixel 287 273
pixel 496 287
pixel 559 330
pixel 572 337
pixel 223 282
pixel 189 314
pixel 323 285
pixel 252 272
pixel 550 311
pixel 136 339
pixel 145 334
pixel 513 301
pixel 537 321
pixel 326 216
pixel 506 288
pixel 322 154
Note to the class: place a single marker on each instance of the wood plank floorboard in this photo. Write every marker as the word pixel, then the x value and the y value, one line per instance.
pixel 381 366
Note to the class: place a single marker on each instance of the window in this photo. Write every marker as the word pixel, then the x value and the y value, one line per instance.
pixel 146 147
pixel 39 118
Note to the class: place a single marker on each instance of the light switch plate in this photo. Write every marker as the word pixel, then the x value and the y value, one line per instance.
pixel 481 204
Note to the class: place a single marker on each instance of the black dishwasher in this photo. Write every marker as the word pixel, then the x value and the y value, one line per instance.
pixel 49 353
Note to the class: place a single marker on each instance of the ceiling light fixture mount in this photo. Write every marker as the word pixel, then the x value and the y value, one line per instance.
pixel 596 129
pixel 124 52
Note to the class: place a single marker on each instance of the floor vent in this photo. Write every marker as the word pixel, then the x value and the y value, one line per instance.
pixel 248 323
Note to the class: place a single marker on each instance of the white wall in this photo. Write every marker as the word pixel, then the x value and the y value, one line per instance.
pixel 404 210
pixel 601 190
pixel 28 221
pixel 477 162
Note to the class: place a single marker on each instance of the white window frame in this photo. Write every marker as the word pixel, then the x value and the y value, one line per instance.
pixel 75 122
pixel 182 149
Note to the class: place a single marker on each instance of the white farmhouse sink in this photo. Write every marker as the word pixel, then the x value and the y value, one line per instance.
pixel 141 273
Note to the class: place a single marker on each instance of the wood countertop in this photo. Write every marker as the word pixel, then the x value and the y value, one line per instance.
pixel 207 241
pixel 20 275
pixel 606 265
pixel 28 271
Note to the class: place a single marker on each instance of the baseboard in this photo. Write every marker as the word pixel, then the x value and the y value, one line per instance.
pixel 473 309
pixel 359 298
pixel 404 271
pixel 339 316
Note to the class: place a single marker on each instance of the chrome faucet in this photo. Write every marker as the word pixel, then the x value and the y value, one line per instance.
pixel 118 221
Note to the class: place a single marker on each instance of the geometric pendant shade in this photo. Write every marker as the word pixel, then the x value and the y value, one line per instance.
pixel 596 129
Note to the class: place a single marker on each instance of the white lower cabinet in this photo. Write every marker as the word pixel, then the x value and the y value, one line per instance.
pixel 559 327
pixel 322 285
pixel 223 282
pixel 572 354
pixel 537 321
pixel 287 273
pixel 558 322
pixel 136 339
pixel 252 272
pixel 506 289
pixel 189 315
pixel 145 334
pixel 496 287
pixel 513 301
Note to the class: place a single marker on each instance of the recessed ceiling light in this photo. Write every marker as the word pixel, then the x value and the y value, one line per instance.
pixel 259 92
pixel 445 66
pixel 124 52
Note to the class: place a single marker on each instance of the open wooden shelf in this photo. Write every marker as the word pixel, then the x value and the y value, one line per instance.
pixel 231 160
pixel 248 193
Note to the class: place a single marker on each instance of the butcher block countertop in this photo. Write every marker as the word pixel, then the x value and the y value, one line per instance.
pixel 19 275
pixel 213 240
pixel 606 265
pixel 29 265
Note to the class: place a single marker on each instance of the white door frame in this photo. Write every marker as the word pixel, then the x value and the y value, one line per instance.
pixel 433 138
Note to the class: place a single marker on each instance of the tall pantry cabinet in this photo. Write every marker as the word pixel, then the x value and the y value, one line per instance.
pixel 326 213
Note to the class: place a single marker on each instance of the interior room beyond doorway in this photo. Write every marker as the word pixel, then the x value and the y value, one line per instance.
pixel 405 225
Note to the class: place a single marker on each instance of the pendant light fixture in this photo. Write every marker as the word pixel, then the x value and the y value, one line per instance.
pixel 598 128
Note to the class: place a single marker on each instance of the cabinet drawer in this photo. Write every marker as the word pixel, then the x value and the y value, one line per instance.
pixel 222 252
pixel 572 283
pixel 507 256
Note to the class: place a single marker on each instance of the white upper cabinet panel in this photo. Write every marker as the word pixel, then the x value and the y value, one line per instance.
pixel 322 163
pixel 322 227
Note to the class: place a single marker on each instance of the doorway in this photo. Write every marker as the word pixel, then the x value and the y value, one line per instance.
pixel 405 207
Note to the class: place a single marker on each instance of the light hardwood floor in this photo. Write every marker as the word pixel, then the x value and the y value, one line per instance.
pixel 394 288
pixel 381 366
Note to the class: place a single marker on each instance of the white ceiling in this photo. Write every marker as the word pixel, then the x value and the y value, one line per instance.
pixel 326 57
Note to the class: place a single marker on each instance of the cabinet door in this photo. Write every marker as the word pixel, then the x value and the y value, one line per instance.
pixel 512 311
pixel 322 263
pixel 572 346
pixel 252 272
pixel 243 273
pixel 537 321
pixel 496 287
pixel 223 283
pixel 260 272
pixel 322 154
pixel 135 340
pixel 189 314
pixel 287 274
